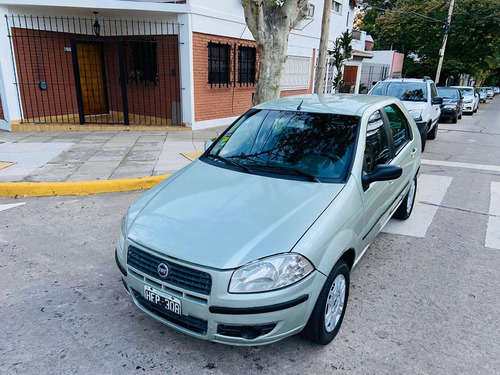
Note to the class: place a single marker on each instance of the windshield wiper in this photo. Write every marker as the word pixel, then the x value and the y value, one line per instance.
pixel 230 162
pixel 310 177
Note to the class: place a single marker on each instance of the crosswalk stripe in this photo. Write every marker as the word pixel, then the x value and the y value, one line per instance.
pixel 4 207
pixel 442 163
pixel 493 230
pixel 430 192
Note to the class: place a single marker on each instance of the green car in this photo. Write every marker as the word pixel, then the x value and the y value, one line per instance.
pixel 255 240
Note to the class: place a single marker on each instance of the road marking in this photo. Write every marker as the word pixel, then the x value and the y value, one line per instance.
pixel 430 190
pixel 4 207
pixel 442 163
pixel 493 230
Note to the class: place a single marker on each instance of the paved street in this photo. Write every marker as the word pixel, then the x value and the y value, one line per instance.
pixel 425 298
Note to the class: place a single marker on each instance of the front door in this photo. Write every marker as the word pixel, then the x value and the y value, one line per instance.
pixel 91 78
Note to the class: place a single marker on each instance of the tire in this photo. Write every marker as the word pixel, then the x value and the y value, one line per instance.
pixel 433 133
pixel 328 313
pixel 423 137
pixel 460 116
pixel 454 120
pixel 406 207
pixel 475 110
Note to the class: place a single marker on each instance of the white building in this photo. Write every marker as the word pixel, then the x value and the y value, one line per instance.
pixel 155 63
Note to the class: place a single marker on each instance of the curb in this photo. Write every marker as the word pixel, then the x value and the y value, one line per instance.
pixel 42 189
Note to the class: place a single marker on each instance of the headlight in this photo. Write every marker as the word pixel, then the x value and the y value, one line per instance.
pixel 270 273
pixel 417 114
pixel 469 100
pixel 450 106
pixel 123 234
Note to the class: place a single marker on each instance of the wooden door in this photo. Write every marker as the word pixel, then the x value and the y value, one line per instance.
pixel 91 78
pixel 350 74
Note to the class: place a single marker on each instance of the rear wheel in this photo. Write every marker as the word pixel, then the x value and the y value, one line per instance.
pixel 406 207
pixel 433 133
pixel 328 314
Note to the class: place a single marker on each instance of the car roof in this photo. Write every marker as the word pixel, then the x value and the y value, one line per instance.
pixel 342 104
pixel 407 80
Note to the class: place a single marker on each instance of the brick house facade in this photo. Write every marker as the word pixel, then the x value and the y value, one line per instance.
pixel 59 71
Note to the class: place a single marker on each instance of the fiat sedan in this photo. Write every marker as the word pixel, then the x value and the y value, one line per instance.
pixel 255 241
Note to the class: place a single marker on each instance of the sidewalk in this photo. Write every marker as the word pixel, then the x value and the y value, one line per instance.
pixel 113 161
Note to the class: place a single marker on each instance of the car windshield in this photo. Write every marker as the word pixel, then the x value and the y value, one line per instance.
pixel 467 91
pixel 448 93
pixel 404 91
pixel 289 144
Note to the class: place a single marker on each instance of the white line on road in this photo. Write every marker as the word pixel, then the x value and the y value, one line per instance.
pixel 4 207
pixel 430 189
pixel 442 163
pixel 493 231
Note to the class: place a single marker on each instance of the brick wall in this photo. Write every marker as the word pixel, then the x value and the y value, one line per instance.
pixel 41 57
pixel 220 102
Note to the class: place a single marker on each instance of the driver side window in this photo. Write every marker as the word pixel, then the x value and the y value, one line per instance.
pixel 377 145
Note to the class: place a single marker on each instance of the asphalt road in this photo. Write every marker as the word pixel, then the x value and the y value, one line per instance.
pixel 426 302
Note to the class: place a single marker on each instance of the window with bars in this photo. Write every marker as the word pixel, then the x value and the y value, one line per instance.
pixel 218 64
pixel 141 61
pixel 246 65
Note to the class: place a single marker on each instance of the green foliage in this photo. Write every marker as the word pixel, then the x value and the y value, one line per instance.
pixel 341 51
pixel 417 27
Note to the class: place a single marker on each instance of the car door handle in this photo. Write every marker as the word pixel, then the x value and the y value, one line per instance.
pixel 413 151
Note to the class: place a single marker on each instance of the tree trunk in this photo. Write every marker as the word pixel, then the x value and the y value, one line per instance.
pixel 270 23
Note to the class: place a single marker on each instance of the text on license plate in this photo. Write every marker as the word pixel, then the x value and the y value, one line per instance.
pixel 169 302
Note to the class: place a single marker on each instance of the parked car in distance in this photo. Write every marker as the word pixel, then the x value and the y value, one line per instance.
pixel 470 99
pixel 482 94
pixel 420 97
pixel 496 90
pixel 255 240
pixel 489 92
pixel 452 103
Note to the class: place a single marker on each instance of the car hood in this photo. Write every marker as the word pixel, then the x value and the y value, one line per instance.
pixel 222 218
pixel 414 105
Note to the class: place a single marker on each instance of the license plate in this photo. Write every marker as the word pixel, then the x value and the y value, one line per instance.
pixel 169 302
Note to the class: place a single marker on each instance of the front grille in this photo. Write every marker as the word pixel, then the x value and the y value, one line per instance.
pixel 183 277
pixel 193 324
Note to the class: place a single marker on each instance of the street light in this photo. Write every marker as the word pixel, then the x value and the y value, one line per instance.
pixel 96 26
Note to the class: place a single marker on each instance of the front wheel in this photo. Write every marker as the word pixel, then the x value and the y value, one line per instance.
pixel 433 133
pixel 328 313
pixel 406 207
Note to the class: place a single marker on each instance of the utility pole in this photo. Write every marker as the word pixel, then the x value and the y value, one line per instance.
pixel 319 83
pixel 445 39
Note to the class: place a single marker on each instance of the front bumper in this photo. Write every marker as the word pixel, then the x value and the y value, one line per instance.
pixel 235 319
pixel 449 113
pixel 468 107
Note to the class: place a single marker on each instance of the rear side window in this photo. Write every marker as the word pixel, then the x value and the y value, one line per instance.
pixel 399 127
pixel 377 145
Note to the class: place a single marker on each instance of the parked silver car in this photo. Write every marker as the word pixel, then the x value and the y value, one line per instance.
pixel 255 240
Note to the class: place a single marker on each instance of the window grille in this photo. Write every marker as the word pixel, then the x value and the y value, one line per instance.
pixel 246 65
pixel 141 61
pixel 218 64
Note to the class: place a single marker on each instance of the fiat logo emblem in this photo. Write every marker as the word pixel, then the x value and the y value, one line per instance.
pixel 163 270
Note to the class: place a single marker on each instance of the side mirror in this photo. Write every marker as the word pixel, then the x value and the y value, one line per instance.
pixel 208 143
pixel 383 172
pixel 437 100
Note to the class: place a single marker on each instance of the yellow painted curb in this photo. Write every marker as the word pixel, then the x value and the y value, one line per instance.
pixel 41 189
pixel 192 155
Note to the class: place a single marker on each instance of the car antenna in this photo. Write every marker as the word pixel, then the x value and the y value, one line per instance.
pixel 298 108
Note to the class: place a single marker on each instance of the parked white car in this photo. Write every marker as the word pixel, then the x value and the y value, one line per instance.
pixel 420 97
pixel 471 99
